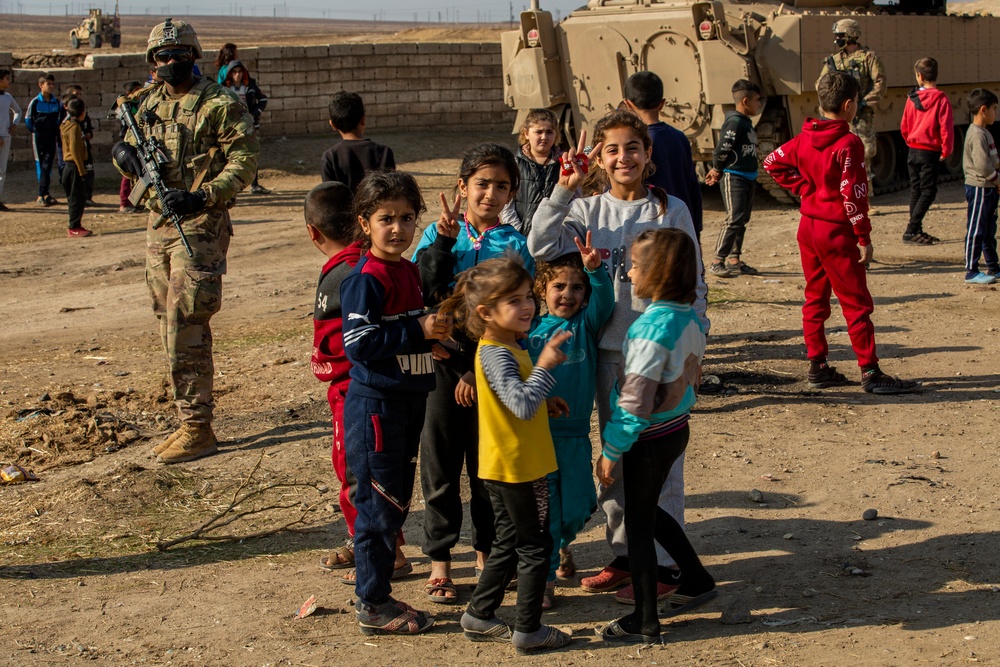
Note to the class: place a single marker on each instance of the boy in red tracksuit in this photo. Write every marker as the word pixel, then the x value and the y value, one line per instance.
pixel 928 128
pixel 825 166
pixel 333 229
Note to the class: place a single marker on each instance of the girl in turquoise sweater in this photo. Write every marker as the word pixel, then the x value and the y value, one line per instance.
pixel 579 298
pixel 649 431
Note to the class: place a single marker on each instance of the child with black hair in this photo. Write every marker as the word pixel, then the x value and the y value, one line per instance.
pixel 825 166
pixel 387 340
pixel 579 297
pixel 982 184
pixel 353 156
pixel 334 230
pixel 928 128
pixel 488 179
pixel 42 117
pixel 671 154
pixel 74 174
pixel 75 91
pixel 734 166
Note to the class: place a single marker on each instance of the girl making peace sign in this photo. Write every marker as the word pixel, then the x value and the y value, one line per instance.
pixel 487 180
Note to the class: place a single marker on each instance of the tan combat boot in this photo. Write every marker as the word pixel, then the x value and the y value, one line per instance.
pixel 169 440
pixel 194 442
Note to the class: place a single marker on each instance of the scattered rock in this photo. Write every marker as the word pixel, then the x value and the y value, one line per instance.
pixel 935 454
pixel 45 397
pixel 322 488
pixel 736 612
pixel 757 496
pixel 808 593
pixel 787 536
pixel 869 514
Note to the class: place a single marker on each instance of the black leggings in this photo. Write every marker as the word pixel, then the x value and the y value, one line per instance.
pixel 645 468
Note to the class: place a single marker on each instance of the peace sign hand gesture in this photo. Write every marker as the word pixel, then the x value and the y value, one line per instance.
pixel 572 180
pixel 447 224
pixel 590 255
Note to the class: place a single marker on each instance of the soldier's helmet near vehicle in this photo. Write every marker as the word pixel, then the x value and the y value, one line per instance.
pixel 173 33
pixel 846 30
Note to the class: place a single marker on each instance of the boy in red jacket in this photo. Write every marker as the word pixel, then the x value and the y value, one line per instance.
pixel 928 128
pixel 333 229
pixel 825 166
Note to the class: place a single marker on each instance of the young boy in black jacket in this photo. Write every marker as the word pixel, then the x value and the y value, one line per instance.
pixel 734 164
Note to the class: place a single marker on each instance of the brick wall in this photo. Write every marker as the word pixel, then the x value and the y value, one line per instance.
pixel 421 86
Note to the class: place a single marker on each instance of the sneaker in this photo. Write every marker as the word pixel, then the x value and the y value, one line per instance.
pixel 391 618
pixel 195 441
pixel 663 593
pixel 90 202
pixel 259 190
pixel 980 279
pixel 720 271
pixel 78 232
pixel 827 376
pixel 608 579
pixel 742 268
pixel 919 238
pixel 546 638
pixel 874 381
pixel 932 239
pixel 50 201
pixel 3 207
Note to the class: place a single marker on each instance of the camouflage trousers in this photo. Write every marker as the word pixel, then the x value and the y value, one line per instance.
pixel 864 127
pixel 186 292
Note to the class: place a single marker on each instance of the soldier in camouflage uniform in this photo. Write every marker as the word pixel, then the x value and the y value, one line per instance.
pixel 211 151
pixel 861 63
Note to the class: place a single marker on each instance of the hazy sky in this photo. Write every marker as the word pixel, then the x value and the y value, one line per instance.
pixel 451 11
pixel 388 10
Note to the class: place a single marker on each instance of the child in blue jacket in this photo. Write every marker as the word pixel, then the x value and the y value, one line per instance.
pixel 579 298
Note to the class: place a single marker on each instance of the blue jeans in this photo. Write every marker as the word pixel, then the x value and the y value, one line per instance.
pixel 381 437
pixel 981 229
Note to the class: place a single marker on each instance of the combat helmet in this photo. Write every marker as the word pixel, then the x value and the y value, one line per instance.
pixel 847 27
pixel 172 33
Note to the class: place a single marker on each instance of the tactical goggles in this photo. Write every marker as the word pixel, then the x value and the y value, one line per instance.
pixel 166 55
pixel 840 35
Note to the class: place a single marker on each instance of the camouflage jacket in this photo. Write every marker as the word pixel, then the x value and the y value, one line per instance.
pixel 207 117
pixel 864 66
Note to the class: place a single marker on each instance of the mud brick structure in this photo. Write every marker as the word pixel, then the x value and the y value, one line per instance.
pixel 406 86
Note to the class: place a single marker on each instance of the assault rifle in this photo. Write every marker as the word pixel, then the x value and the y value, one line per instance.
pixel 152 156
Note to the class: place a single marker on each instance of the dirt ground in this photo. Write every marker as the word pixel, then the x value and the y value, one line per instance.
pixel 82 395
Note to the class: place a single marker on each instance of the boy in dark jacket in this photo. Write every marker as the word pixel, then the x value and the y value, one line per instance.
pixel 42 118
pixel 354 156
pixel 928 128
pixel 671 149
pixel 825 166
pixel 734 165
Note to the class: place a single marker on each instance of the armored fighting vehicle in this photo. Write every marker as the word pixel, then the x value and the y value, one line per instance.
pixel 578 67
pixel 98 29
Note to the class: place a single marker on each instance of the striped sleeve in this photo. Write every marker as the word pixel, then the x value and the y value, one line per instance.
pixel 501 370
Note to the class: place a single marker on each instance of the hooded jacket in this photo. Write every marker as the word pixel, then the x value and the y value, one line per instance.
pixel 329 363
pixel 825 166
pixel 928 123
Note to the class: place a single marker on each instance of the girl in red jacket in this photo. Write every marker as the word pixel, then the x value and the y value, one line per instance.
pixel 825 166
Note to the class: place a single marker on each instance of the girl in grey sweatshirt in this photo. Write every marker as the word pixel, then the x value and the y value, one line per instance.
pixel 615 218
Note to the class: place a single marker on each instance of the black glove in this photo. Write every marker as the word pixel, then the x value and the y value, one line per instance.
pixel 183 202
pixel 127 158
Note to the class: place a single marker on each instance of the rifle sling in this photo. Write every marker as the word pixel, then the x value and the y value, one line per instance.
pixel 203 172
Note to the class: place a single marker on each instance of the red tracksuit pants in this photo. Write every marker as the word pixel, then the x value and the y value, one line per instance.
pixel 830 261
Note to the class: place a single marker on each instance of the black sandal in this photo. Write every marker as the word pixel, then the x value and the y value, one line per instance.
pixel 875 381
pixel 828 376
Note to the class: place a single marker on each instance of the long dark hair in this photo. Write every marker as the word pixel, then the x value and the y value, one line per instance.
pixel 226 54
pixel 490 155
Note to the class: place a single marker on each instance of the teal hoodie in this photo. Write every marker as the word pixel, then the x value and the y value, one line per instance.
pixel 575 377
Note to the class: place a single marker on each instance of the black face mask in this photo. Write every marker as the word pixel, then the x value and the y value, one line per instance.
pixel 176 72
pixel 840 42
